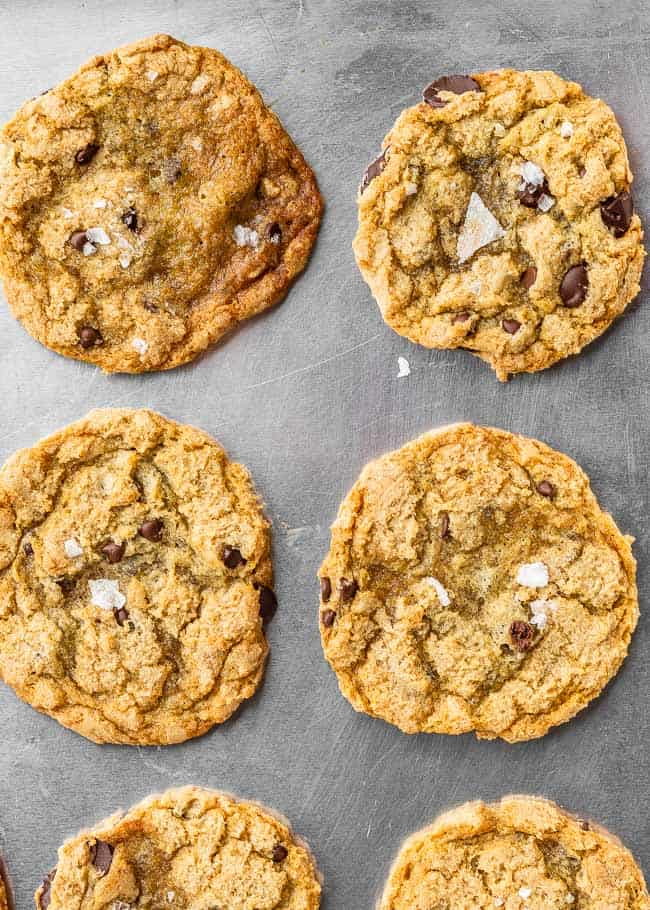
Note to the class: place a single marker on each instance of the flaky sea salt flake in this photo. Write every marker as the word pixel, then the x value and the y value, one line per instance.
pixel 566 129
pixel 403 367
pixel 98 235
pixel 443 595
pixel 100 204
pixel 105 593
pixel 72 548
pixel 199 84
pixel 545 202
pixel 152 75
pixel 479 229
pixel 140 345
pixel 88 249
pixel 531 174
pixel 533 575
pixel 245 236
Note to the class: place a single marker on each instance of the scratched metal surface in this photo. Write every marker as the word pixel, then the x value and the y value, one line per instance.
pixel 305 396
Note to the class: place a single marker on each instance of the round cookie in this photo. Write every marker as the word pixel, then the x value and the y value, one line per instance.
pixel 185 849
pixel 521 853
pixel 498 218
pixel 149 204
pixel 135 575
pixel 473 583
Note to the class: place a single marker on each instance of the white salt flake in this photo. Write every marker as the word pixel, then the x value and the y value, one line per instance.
pixel 98 235
pixel 140 345
pixel 246 236
pixel 411 189
pixel 570 898
pixel 105 593
pixel 199 84
pixel 152 75
pixel 475 287
pixel 72 548
pixel 545 202
pixel 499 902
pixel 107 483
pixel 531 174
pixel 170 896
pixel 67 213
pixel 499 130
pixel 100 204
pixel 533 575
pixel 88 249
pixel 566 129
pixel 525 893
pixel 443 595
pixel 479 229
pixel 196 143
pixel 124 244
pixel 404 368
pixel 125 261
pixel 540 610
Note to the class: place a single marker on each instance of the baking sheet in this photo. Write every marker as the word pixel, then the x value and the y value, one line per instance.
pixel 305 395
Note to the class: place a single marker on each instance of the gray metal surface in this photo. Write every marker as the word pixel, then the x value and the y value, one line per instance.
pixel 305 395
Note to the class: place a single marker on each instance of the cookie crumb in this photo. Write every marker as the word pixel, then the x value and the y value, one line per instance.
pixel 404 368
pixel 72 548
pixel 533 575
pixel 479 229
pixel 105 593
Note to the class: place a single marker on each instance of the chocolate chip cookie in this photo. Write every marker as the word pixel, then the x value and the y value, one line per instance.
pixel 185 849
pixel 135 577
pixel 499 218
pixel 522 853
pixel 149 204
pixel 473 583
pixel 5 890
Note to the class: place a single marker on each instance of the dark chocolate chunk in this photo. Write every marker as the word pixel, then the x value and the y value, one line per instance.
pixel 231 557
pixel 574 286
pixel 113 551
pixel 511 326
pixel 86 154
pixel 130 219
pixel 325 589
pixel 279 853
pixel 275 232
pixel 89 336
pixel 121 615
pixel 546 488
pixel 522 635
pixel 151 529
pixel 374 169
pixel 78 239
pixel 101 856
pixel 529 277
pixel 348 589
pixel 444 525
pixel 268 603
pixel 327 618
pixel 616 212
pixel 457 85
pixel 45 896
pixel 28 549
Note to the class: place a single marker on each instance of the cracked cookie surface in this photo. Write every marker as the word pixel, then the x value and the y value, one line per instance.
pixel 135 574
pixel 148 204
pixel 519 853
pixel 480 205
pixel 185 849
pixel 473 583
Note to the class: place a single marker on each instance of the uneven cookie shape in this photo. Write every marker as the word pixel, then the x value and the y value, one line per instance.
pixel 499 219
pixel 185 849
pixel 473 583
pixel 135 575
pixel 148 204
pixel 522 852
pixel 4 887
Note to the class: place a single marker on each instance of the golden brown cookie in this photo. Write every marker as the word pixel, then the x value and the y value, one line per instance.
pixel 498 218
pixel 135 575
pixel 5 890
pixel 473 583
pixel 522 853
pixel 183 850
pixel 148 204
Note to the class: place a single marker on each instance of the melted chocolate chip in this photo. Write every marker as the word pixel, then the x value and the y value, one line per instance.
pixel 461 317
pixel 505 648
pixel 231 557
pixel 45 896
pixel 279 853
pixel 546 488
pixel 86 154
pixel 89 336
pixel 374 169
pixel 66 583
pixel 456 85
pixel 121 615
pixel 522 635
pixel 530 194
pixel 113 551
pixel 151 529
pixel 275 232
pixel 574 286
pixel 348 589
pixel 444 525
pixel 78 239
pixel 327 618
pixel 268 603
pixel 511 326
pixel 28 549
pixel 325 589
pixel 101 856
pixel 130 219
pixel 529 277
pixel 616 212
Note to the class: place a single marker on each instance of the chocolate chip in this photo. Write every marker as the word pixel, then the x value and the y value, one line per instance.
pixel 86 154
pixel 511 326
pixel 275 232
pixel 28 549
pixel 348 589
pixel 101 856
pixel 529 277
pixel 374 169
pixel 585 825
pixel 113 551
pixel 522 634
pixel 582 171
pixel 66 583
pixel 130 219
pixel 546 488
pixel 325 589
pixel 327 618
pixel 78 239
pixel 530 194
pixel 45 896
pixel 268 603
pixel 461 317
pixel 457 85
pixel 121 615
pixel 151 529
pixel 444 525
pixel 574 286
pixel 616 212
pixel 89 336
pixel 505 648
pixel 172 169
pixel 231 557
pixel 279 853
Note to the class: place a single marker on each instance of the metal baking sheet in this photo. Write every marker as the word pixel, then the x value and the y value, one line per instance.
pixel 305 395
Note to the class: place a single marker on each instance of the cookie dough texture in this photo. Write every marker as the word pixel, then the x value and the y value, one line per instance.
pixel 186 849
pixel 118 614
pixel 473 583
pixel 412 214
pixel 205 208
pixel 519 853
